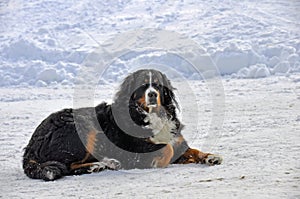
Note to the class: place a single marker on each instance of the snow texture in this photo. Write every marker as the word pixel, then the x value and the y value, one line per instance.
pixel 259 142
pixel 45 42
pixel 254 44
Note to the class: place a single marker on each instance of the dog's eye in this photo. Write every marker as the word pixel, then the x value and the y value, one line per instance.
pixel 156 85
pixel 143 86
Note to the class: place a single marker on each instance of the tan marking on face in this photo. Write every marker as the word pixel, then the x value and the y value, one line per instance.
pixel 142 102
pixel 158 99
pixel 157 108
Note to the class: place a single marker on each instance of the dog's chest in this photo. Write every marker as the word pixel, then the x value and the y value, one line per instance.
pixel 162 129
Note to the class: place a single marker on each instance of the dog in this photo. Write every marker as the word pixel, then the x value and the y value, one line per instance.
pixel 140 129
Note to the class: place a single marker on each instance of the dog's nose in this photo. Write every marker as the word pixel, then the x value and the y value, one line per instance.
pixel 152 97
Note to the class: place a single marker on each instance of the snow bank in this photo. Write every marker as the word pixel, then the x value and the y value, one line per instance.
pixel 51 46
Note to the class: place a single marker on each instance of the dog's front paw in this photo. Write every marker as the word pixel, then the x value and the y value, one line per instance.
pixel 106 163
pixel 112 164
pixel 213 159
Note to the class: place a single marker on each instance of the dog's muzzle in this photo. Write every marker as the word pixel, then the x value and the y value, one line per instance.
pixel 151 97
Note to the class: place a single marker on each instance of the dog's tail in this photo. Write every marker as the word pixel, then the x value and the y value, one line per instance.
pixel 48 171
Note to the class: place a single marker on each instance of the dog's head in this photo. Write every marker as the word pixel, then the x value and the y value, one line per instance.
pixel 147 91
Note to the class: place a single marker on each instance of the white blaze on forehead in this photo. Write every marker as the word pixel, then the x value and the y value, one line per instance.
pixel 150 83
pixel 150 89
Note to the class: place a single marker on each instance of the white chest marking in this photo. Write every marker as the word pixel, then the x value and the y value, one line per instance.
pixel 161 129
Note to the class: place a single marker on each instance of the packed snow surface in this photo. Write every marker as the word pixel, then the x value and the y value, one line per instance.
pixel 259 142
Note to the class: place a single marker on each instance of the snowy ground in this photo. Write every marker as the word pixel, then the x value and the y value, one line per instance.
pixel 255 45
pixel 259 143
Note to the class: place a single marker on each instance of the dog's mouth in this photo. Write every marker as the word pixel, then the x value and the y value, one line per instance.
pixel 152 104
pixel 152 98
pixel 149 105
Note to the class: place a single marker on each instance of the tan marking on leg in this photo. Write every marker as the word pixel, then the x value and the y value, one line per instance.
pixel 90 141
pixel 90 146
pixel 164 159
pixel 193 156
pixel 78 165
pixel 179 141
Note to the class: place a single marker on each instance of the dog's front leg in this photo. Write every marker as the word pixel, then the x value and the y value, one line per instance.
pixel 196 156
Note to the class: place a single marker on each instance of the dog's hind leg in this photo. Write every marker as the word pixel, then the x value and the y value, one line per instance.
pixel 48 171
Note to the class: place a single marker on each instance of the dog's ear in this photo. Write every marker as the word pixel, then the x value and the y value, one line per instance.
pixel 168 94
pixel 169 97
pixel 125 90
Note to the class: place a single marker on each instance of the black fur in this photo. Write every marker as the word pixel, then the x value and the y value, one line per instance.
pixel 60 140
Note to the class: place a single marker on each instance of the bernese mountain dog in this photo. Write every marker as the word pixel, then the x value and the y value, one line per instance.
pixel 140 129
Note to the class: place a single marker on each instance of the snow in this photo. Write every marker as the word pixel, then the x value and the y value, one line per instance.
pixel 48 47
pixel 259 142
pixel 282 67
pixel 39 37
